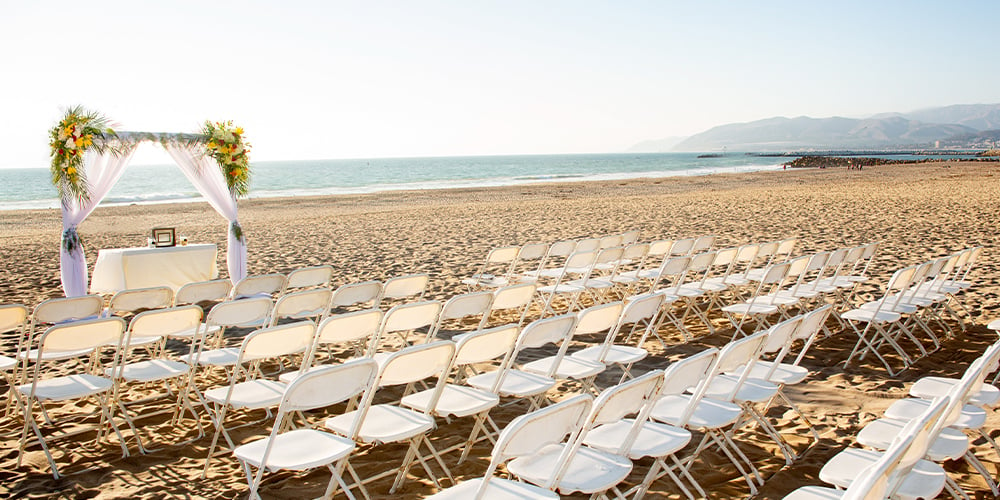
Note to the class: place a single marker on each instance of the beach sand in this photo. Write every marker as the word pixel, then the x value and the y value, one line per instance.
pixel 916 212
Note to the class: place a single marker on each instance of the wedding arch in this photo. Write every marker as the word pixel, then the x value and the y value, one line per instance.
pixel 89 157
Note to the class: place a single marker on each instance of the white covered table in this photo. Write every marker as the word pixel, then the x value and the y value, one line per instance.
pixel 124 268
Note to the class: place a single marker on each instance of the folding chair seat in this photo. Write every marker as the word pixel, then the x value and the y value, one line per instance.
pixel 516 297
pixel 590 321
pixel 988 396
pixel 156 326
pixel 457 399
pixel 776 370
pixel 594 470
pixel 787 296
pixel 246 388
pixel 404 320
pixel 578 266
pixel 785 248
pixel 383 423
pixel 460 312
pixel 304 448
pixel 924 479
pixel 511 380
pixel 524 436
pixel 399 288
pixel 262 285
pixel 717 419
pixel 203 291
pixel 42 389
pixel 642 310
pixel 310 277
pixel 136 300
pixel 311 304
pixel 495 271
pixel 364 294
pixel 758 307
pixel 654 440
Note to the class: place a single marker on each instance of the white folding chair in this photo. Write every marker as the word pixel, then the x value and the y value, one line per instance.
pixel 53 312
pixel 578 265
pixel 592 470
pixel 641 310
pixel 310 277
pixel 41 389
pixel 511 380
pixel 495 271
pixel 247 389
pixel 457 399
pixel 389 423
pixel 364 294
pixel 156 326
pixel 207 340
pixel 524 436
pixel 306 448
pixel 550 265
pixel 356 331
pixel 758 307
pixel 882 325
pixel 530 259
pixel 462 309
pixel 312 304
pixel 590 321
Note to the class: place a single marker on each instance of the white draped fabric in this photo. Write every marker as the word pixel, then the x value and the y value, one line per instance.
pixel 102 171
pixel 205 175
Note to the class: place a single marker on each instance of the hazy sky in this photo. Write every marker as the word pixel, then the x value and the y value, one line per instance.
pixel 329 79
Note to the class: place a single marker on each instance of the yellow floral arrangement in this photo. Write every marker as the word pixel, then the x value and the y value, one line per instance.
pixel 231 151
pixel 69 140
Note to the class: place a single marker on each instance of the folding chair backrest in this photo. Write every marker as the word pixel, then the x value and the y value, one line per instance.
pixel 127 301
pixel 776 273
pixel 13 317
pixel 239 313
pixel 598 318
pixel 610 255
pixel 467 304
pixel 277 341
pixel 682 246
pixel 766 252
pixel 702 262
pixel 746 255
pixel 486 345
pixel 812 322
pixel 781 335
pixel 740 355
pixel 164 322
pixel 551 330
pixel 203 291
pixel 725 257
pixel 351 327
pixel 786 247
pixel 660 248
pixel 872 483
pixel 511 296
pixel 64 309
pixel 642 307
pixel 529 433
pixel 306 277
pixel 328 385
pixel 705 242
pixel 618 401
pixel 415 363
pixel 411 316
pixel 532 251
pixel 587 245
pixel 797 266
pixel 81 335
pixel 499 261
pixel 630 237
pixel 817 261
pixel 673 269
pixel 563 248
pixel 357 293
pixel 613 240
pixel 400 287
pixel 691 373
pixel 919 431
pixel 259 285
pixel 312 303
pixel 636 252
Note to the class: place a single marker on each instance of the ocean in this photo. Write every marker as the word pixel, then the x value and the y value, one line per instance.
pixel 142 184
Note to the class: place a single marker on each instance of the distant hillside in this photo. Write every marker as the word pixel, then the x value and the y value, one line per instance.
pixel 921 128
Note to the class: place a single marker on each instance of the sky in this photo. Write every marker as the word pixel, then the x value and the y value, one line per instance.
pixel 373 79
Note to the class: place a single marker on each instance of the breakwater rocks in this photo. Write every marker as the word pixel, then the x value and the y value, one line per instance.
pixel 857 162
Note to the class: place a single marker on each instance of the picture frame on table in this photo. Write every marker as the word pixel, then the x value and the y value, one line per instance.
pixel 164 237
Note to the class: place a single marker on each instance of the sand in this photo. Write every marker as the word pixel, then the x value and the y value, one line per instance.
pixel 917 212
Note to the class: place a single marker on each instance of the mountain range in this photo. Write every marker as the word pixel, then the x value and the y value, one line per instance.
pixel 962 125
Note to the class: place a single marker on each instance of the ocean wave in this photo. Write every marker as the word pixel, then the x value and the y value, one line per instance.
pixel 150 198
